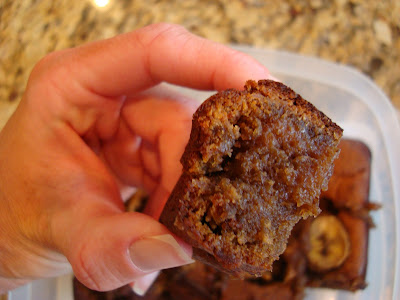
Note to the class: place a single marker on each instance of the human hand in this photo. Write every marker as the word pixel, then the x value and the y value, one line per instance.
pixel 89 125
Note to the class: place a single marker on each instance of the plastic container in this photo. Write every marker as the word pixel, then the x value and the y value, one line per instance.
pixel 365 113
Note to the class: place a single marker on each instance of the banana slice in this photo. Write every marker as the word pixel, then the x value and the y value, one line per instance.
pixel 329 243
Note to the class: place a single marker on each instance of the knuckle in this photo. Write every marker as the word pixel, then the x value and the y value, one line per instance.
pixel 166 27
pixel 84 267
pixel 51 76
pixel 50 71
pixel 93 266
pixel 45 64
pixel 161 31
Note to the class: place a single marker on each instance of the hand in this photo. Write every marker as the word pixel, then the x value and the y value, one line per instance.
pixel 89 125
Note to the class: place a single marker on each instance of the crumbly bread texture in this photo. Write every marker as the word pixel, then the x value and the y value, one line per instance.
pixel 255 164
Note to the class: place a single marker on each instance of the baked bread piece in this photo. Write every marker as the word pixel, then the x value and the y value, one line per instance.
pixel 346 200
pixel 255 165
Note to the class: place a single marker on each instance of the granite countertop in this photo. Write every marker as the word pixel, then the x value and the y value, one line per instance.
pixel 361 33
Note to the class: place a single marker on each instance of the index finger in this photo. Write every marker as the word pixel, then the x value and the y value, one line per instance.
pixel 162 52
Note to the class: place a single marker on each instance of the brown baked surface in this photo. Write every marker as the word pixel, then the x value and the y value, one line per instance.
pixel 255 165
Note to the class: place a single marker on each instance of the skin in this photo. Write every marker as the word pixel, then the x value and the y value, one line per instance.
pixel 92 122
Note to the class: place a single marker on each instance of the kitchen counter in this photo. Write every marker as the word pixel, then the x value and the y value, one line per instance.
pixel 360 33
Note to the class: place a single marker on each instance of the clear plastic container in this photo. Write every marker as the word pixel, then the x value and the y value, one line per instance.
pixel 354 102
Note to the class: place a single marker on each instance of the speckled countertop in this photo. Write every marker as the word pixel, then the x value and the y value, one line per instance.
pixel 361 33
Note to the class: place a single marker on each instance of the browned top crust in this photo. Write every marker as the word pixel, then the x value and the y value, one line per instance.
pixel 269 88
pixel 197 147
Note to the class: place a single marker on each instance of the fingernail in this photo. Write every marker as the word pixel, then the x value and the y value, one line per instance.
pixel 157 253
pixel 141 285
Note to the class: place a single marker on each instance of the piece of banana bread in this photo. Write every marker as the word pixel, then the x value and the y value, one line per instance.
pixel 255 165
pixel 337 243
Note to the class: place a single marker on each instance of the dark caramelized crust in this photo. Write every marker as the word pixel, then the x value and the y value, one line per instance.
pixel 254 166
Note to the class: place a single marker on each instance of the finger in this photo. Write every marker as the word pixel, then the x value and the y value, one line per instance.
pixel 162 119
pixel 161 52
pixel 152 161
pixel 115 250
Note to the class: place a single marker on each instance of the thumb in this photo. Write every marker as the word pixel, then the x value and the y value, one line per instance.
pixel 115 250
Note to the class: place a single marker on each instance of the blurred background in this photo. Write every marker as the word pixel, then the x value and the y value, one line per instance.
pixel 360 33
